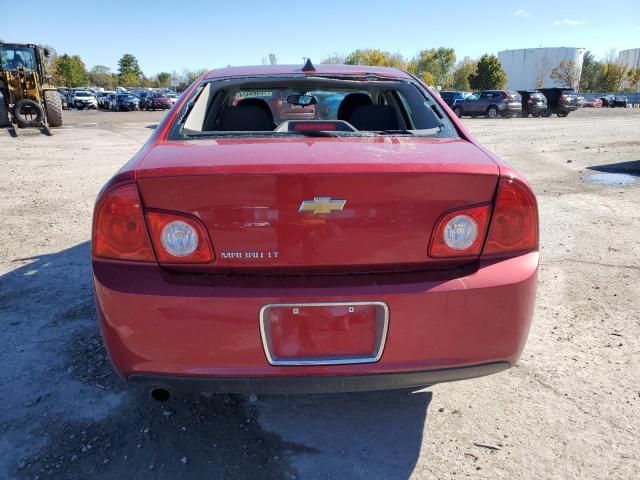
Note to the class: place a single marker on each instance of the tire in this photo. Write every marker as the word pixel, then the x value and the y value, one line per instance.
pixel 562 114
pixel 4 114
pixel 458 112
pixel 535 115
pixel 492 112
pixel 545 113
pixel 53 108
pixel 35 110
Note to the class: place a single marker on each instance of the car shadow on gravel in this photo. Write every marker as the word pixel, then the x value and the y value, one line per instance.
pixel 68 415
pixel 629 168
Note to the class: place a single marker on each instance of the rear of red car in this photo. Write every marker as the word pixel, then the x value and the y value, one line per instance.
pixel 161 102
pixel 314 264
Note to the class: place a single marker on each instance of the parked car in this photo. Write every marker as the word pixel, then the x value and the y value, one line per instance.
pixel 592 103
pixel 157 101
pixel 103 98
pixel 533 103
pixel 173 97
pixel 560 101
pixel 64 98
pixel 492 103
pixel 620 101
pixel 450 97
pixel 82 99
pixel 108 100
pixel 270 256
pixel 608 100
pixel 124 102
pixel 144 96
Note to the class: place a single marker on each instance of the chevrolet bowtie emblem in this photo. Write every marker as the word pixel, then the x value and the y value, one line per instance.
pixel 321 205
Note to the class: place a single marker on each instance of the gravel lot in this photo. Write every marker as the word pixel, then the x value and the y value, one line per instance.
pixel 570 409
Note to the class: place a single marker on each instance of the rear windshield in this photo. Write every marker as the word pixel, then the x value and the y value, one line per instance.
pixel 83 94
pixel 310 106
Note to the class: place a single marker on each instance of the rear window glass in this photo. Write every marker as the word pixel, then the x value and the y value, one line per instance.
pixel 311 106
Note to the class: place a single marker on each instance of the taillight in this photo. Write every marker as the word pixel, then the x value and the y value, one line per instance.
pixel 119 229
pixel 460 233
pixel 505 95
pixel 179 238
pixel 514 223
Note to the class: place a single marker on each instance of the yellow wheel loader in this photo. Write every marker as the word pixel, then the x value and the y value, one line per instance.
pixel 26 97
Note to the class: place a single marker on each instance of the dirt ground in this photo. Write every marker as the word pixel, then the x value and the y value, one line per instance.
pixel 569 410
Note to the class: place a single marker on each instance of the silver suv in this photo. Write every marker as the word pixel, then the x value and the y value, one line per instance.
pixel 491 103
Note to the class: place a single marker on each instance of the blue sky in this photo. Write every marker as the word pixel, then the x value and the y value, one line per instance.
pixel 168 36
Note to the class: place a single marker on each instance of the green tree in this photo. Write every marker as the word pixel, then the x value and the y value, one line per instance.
pixel 376 58
pixel 634 79
pixel 163 79
pixel 590 71
pixel 489 74
pixel 188 77
pixel 462 73
pixel 611 77
pixel 566 74
pixel 101 76
pixel 69 71
pixel 437 62
pixel 129 71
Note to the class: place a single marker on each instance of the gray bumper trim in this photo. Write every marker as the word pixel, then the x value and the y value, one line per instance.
pixel 316 383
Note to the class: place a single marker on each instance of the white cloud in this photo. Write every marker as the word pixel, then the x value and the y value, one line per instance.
pixel 522 13
pixel 569 22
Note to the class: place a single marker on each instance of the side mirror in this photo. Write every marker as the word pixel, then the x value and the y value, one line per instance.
pixel 302 100
pixel 47 53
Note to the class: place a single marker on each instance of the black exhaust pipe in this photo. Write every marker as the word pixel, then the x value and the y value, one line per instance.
pixel 160 394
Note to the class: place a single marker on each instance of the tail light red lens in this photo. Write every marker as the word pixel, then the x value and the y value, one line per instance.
pixel 119 229
pixel 179 238
pixel 460 233
pixel 514 224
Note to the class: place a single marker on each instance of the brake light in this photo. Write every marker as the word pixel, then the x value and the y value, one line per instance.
pixel 179 238
pixel 505 95
pixel 119 228
pixel 315 126
pixel 460 233
pixel 514 223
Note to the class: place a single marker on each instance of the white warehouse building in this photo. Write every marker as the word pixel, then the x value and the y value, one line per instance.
pixel 630 58
pixel 531 67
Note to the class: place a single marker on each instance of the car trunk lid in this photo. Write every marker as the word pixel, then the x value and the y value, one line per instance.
pixel 353 204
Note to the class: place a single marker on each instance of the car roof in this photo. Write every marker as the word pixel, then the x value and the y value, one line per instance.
pixel 322 69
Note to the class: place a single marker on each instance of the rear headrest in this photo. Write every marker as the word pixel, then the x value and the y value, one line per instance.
pixel 374 117
pixel 250 115
pixel 350 102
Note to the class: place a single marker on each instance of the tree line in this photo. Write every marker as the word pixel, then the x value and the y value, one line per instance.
pixel 435 66
pixel 71 71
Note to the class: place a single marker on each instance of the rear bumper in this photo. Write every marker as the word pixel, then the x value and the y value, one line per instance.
pixel 157 325
pixel 536 108
pixel 316 384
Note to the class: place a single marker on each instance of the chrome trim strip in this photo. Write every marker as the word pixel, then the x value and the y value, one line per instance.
pixel 325 360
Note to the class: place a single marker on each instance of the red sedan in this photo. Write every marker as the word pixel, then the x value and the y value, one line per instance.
pixel 382 248
pixel 159 101
pixel 592 103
